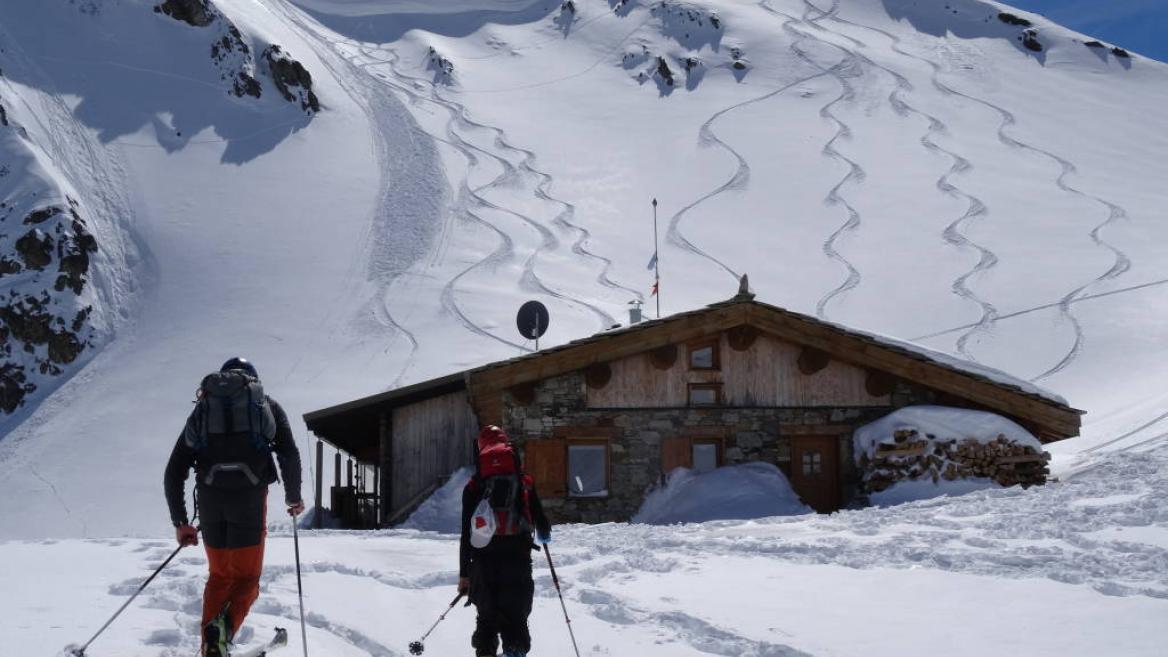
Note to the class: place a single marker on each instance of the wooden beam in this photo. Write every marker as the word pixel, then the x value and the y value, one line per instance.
pixel 812 360
pixel 741 338
pixel 597 375
pixel 384 480
pixel 663 357
pixel 317 513
pixel 919 450
pixel 879 384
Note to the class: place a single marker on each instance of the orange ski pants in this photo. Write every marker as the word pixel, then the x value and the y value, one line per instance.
pixel 234 529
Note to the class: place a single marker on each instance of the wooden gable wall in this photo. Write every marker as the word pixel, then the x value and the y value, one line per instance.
pixel 764 373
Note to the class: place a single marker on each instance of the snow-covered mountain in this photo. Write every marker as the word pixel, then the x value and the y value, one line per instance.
pixel 961 174
pixel 358 194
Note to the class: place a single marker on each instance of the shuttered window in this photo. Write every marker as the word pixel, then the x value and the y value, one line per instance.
pixel 546 462
pixel 675 453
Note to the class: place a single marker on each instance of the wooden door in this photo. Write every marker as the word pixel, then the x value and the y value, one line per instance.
pixel 815 471
pixel 676 452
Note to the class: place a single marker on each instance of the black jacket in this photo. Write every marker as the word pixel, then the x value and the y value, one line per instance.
pixel 518 546
pixel 183 458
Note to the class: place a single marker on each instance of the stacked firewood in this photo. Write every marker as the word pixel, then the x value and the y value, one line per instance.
pixel 912 456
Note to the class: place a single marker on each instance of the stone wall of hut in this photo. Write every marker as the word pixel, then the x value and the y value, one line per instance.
pixel 558 408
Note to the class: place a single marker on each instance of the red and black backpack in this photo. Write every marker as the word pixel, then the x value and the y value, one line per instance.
pixel 500 479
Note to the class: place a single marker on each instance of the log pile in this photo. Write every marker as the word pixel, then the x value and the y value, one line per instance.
pixel 911 456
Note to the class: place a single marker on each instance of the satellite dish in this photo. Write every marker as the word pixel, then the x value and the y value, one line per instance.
pixel 532 320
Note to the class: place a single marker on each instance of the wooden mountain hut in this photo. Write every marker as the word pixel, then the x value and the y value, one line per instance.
pixel 601 420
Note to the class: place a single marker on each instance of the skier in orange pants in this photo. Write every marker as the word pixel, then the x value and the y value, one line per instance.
pixel 229 440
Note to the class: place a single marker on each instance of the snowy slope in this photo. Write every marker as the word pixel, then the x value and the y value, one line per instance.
pixel 1074 569
pixel 897 166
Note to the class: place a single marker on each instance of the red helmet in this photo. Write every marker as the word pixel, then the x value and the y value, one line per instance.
pixel 491 435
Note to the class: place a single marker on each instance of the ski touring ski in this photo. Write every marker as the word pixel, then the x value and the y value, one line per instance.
pixel 277 642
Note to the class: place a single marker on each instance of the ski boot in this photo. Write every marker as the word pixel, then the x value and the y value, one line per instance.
pixel 217 636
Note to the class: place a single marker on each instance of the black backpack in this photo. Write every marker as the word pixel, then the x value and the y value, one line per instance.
pixel 231 430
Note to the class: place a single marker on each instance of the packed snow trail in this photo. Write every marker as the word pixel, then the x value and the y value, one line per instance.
pixel 1088 553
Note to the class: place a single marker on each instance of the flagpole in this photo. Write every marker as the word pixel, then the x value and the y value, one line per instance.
pixel 656 261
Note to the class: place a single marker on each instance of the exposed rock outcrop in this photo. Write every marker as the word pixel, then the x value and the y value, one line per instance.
pixel 1011 19
pixel 293 81
pixel 197 13
pixel 229 52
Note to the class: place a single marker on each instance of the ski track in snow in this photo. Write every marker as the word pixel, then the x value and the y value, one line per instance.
pixel 1122 262
pixel 841 71
pixel 707 136
pixel 510 176
pixel 975 207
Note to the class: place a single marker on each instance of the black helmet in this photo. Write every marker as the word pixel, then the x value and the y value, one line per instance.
pixel 240 363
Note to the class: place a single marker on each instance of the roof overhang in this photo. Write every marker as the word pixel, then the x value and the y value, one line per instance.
pixel 355 427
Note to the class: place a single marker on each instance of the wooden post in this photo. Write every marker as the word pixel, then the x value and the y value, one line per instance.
pixel 385 485
pixel 317 516
pixel 337 469
pixel 349 473
pixel 377 499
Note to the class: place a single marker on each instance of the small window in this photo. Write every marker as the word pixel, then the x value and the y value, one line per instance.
pixel 704 355
pixel 588 470
pixel 812 463
pixel 705 457
pixel 705 394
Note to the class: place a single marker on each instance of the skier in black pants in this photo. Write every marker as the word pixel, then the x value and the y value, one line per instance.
pixel 497 577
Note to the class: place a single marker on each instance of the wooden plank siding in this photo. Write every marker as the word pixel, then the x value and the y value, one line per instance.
pixel 766 374
pixel 429 440
pixel 848 348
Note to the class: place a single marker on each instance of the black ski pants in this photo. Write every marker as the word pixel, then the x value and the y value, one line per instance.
pixel 502 589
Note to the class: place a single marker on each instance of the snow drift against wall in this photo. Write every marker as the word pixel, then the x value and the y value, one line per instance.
pixel 751 490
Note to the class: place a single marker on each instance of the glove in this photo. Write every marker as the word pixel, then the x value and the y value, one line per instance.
pixel 463 585
pixel 543 539
pixel 186 535
pixel 295 508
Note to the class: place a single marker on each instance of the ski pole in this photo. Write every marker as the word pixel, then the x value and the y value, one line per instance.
pixel 299 586
pixel 556 581
pixel 80 652
pixel 417 647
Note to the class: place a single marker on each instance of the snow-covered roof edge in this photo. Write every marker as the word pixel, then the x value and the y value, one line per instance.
pixel 946 360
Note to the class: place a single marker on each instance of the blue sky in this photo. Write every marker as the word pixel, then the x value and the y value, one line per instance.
pixel 1138 25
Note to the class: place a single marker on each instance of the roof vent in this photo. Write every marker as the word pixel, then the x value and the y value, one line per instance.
pixel 635 311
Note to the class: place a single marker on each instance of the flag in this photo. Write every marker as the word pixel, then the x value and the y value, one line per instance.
pixel 654 289
pixel 652 262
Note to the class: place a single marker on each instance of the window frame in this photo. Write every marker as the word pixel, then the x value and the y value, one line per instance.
pixel 569 443
pixel 714 344
pixel 718 451
pixel 716 387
